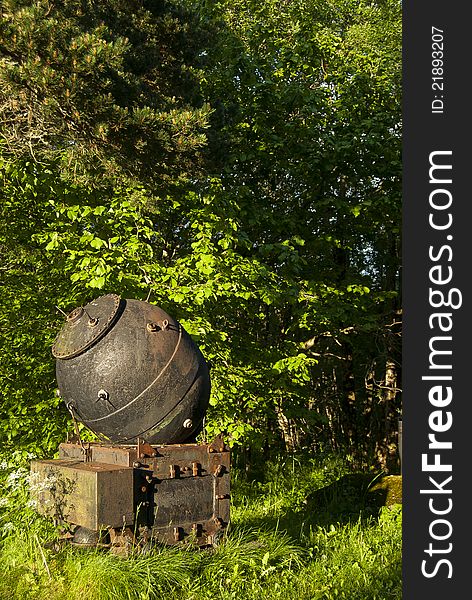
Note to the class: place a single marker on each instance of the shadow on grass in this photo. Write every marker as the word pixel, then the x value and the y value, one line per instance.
pixel 346 500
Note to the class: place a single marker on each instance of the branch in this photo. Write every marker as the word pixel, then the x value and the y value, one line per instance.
pixel 312 341
pixel 16 57
pixel 326 354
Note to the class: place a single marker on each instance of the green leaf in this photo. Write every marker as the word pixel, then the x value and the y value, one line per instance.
pixel 97 243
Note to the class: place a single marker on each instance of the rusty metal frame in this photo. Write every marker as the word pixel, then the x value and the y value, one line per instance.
pixel 179 492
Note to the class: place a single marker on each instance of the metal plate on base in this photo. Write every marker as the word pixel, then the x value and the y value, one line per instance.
pixel 92 495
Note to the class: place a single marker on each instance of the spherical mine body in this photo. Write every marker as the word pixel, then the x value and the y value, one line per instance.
pixel 128 370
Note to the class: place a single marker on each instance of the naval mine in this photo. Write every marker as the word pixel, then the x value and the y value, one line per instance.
pixel 131 374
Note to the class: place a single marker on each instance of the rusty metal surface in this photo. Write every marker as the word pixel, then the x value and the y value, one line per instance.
pixel 142 377
pixel 182 490
pixel 183 501
pixel 92 495
pixel 110 455
pixel 90 538
pixel 86 325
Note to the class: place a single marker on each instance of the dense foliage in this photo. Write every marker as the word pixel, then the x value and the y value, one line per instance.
pixel 237 163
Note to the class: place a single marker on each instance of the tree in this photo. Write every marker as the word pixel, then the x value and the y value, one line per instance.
pixel 309 106
pixel 109 88
pixel 273 236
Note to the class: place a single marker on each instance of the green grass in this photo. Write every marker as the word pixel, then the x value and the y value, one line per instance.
pixel 301 530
